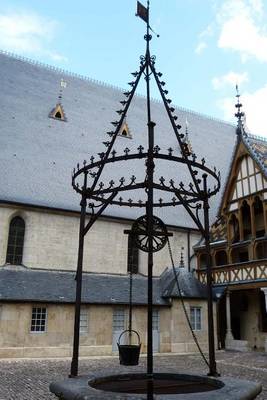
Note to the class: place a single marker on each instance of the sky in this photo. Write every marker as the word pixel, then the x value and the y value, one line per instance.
pixel 205 47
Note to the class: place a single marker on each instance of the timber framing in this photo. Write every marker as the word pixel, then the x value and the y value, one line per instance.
pixel 239 236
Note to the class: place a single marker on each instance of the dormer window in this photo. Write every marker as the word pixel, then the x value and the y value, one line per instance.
pixel 58 113
pixel 125 131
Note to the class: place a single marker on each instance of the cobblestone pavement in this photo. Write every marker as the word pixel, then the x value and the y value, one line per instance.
pixel 29 379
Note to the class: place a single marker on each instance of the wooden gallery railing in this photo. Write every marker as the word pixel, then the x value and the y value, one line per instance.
pixel 250 271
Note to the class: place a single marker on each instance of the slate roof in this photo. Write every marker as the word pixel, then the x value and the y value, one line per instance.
pixel 257 147
pixel 38 153
pixel 28 285
pixel 189 285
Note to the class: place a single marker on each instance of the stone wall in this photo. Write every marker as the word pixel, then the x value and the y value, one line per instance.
pixel 181 337
pixel 250 322
pixel 51 242
pixel 16 339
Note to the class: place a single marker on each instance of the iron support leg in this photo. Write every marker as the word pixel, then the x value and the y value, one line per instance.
pixel 212 361
pixel 76 337
pixel 150 172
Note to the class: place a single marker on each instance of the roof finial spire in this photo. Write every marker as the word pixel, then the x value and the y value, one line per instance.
pixel 186 141
pixel 181 264
pixel 240 114
pixel 186 127
pixel 63 85
pixel 58 111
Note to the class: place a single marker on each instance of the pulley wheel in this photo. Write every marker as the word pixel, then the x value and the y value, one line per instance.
pixel 140 235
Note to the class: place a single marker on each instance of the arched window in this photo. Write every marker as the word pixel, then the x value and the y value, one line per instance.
pixel 132 264
pixel 261 250
pixel 258 217
pixel 245 210
pixel 221 257
pixel 239 254
pixel 202 260
pixel 234 229
pixel 15 241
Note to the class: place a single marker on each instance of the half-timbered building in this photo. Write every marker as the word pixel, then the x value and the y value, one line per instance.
pixel 239 247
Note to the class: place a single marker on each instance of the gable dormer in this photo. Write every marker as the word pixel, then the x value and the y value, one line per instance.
pixel 246 178
pixel 58 113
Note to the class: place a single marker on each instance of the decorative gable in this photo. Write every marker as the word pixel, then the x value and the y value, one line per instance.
pixel 246 177
pixel 249 180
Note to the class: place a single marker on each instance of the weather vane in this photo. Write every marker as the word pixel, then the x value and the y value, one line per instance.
pixel 143 13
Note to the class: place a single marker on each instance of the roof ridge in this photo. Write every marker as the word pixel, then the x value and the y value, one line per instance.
pixel 57 69
pixel 254 154
pixel 102 83
pixel 257 137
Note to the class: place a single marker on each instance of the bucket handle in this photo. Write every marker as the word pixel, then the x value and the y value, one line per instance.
pixel 128 330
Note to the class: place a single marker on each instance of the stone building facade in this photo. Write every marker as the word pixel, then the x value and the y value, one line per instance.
pixel 41 325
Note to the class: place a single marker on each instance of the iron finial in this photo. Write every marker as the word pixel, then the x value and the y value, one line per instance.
pixel 240 114
pixel 181 264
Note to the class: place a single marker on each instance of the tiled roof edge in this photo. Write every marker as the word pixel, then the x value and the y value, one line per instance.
pixel 227 176
pixel 257 137
pixel 101 83
pixel 254 154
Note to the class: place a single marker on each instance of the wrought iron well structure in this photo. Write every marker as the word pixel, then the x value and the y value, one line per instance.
pixel 98 191
pixel 149 232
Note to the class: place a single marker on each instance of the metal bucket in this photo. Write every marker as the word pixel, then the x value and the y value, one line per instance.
pixel 129 353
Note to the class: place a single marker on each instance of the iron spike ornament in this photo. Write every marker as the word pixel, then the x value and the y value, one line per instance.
pixel 98 187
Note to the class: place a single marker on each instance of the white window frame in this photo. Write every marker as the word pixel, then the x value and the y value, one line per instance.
pixel 119 319
pixel 38 322
pixel 196 318
pixel 155 320
pixel 84 320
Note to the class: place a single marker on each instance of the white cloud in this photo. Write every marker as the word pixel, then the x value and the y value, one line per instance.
pixel 202 37
pixel 254 105
pixel 28 33
pixel 200 47
pixel 242 30
pixel 230 79
pixel 257 6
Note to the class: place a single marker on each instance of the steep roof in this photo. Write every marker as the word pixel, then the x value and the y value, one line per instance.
pixel 190 286
pixel 29 285
pixel 38 153
pixel 257 147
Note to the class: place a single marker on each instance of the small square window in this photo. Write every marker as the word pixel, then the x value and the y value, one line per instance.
pixel 39 319
pixel 195 318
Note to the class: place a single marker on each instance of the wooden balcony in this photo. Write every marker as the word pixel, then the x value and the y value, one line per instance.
pixel 236 274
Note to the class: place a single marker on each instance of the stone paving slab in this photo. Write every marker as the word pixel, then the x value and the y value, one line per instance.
pixel 30 379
